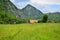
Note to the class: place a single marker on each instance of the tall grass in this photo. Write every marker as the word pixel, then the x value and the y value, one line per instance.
pixel 41 31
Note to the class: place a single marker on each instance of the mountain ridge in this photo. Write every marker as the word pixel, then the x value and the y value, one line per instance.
pixel 31 11
pixel 55 16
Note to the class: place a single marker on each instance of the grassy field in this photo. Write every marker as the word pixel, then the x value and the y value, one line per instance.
pixel 41 31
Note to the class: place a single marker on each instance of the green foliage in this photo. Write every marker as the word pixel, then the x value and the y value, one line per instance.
pixel 8 13
pixel 51 21
pixel 9 18
pixel 54 16
pixel 45 18
pixel 39 21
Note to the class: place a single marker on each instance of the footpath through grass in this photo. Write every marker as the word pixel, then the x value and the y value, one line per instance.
pixel 41 31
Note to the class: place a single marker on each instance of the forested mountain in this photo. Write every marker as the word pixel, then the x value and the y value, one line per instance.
pixel 9 13
pixel 7 5
pixel 55 16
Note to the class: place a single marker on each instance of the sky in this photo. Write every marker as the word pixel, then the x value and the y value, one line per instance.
pixel 43 5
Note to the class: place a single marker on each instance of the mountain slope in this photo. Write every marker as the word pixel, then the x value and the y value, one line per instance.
pixel 31 12
pixel 54 16
pixel 7 5
pixel 9 13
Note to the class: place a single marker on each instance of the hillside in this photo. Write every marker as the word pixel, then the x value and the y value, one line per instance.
pixel 9 13
pixel 7 5
pixel 31 12
pixel 54 16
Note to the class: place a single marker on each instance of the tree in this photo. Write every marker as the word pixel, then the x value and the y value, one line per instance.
pixel 45 18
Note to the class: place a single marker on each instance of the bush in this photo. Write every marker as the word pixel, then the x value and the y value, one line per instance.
pixel 51 21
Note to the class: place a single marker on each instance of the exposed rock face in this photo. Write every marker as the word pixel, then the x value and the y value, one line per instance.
pixel 31 12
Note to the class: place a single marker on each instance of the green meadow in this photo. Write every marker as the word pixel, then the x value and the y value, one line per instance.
pixel 36 31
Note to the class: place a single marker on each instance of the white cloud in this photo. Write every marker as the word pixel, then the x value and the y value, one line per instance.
pixel 21 4
pixel 12 0
pixel 43 5
pixel 42 1
pixel 46 1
